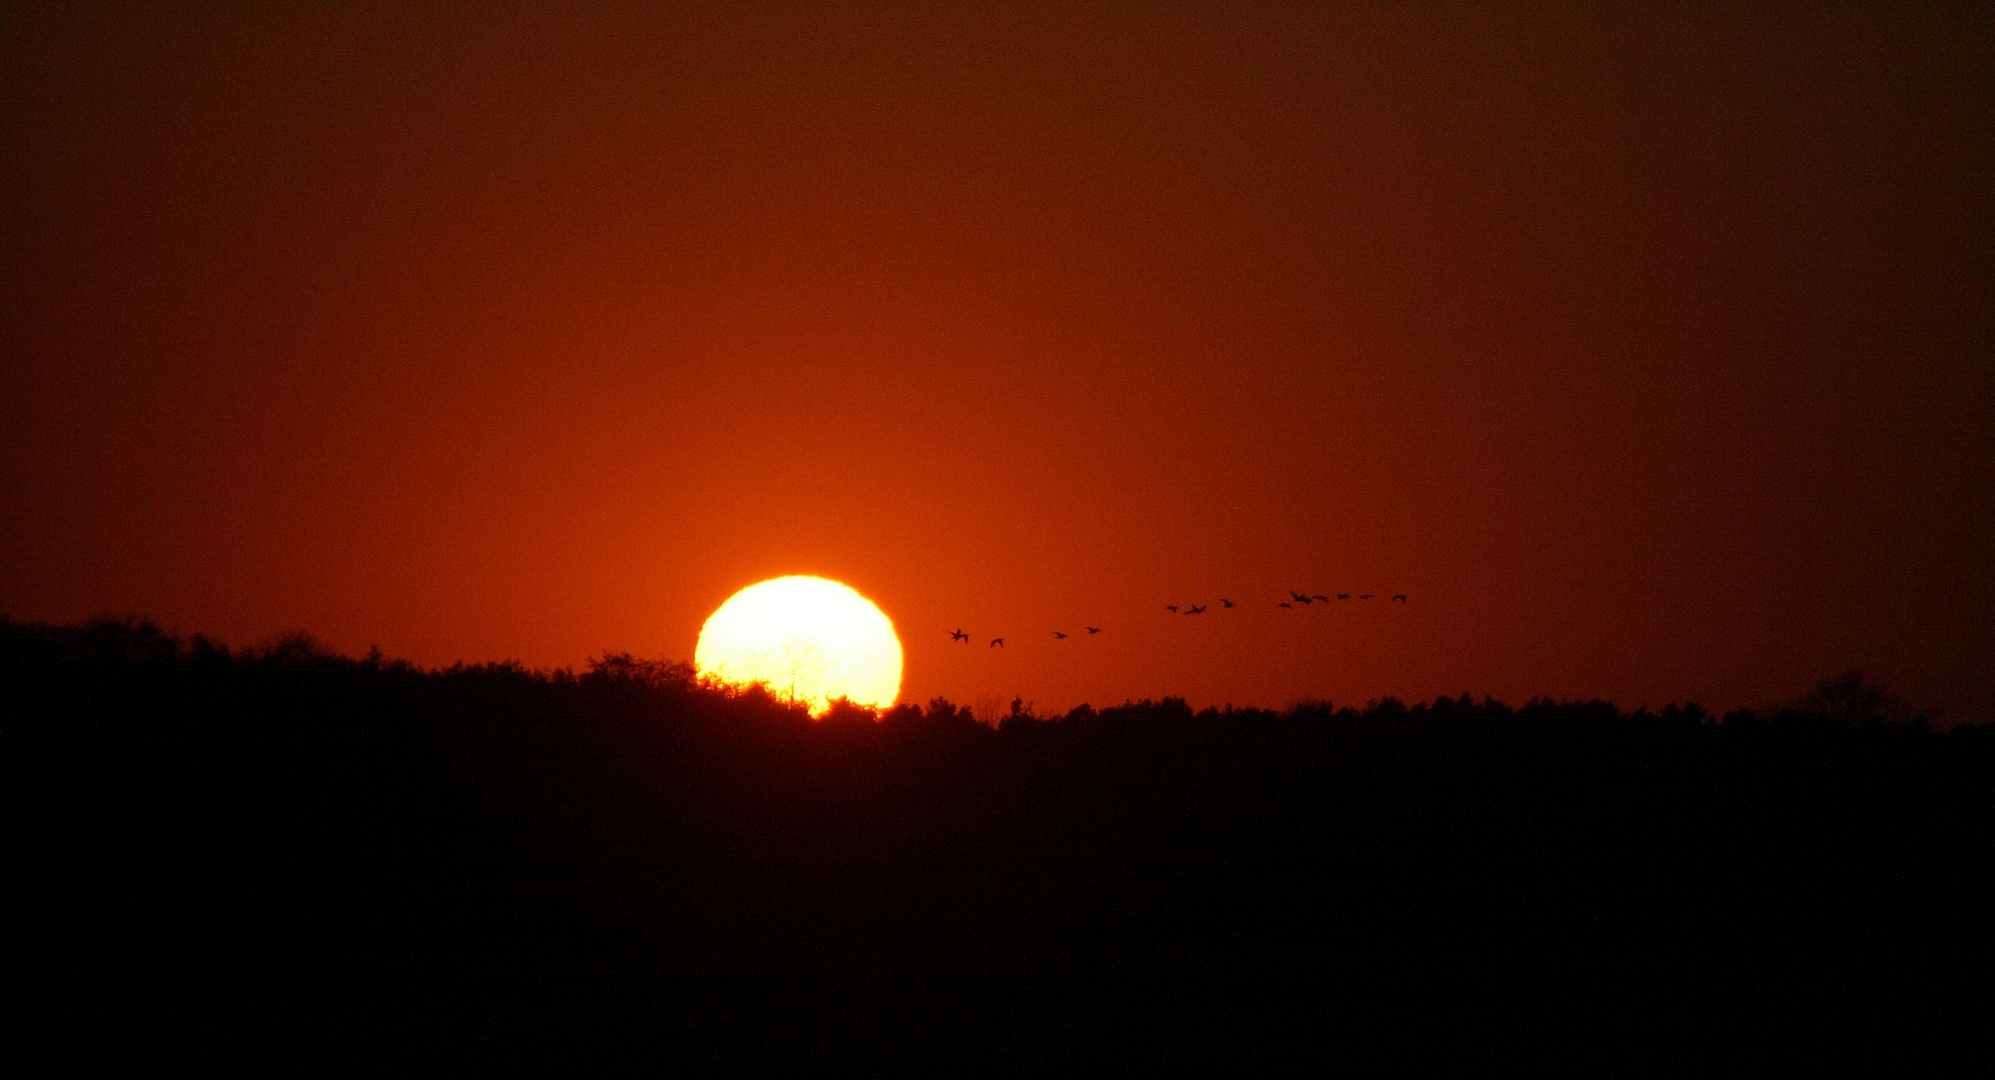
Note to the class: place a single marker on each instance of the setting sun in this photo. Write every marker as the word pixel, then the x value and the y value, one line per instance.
pixel 806 638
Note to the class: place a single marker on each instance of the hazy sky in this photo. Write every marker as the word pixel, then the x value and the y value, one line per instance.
pixel 1649 351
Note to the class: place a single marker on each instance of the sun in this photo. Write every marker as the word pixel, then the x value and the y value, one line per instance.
pixel 810 639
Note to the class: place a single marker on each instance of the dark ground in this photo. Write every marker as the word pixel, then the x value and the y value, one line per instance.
pixel 343 865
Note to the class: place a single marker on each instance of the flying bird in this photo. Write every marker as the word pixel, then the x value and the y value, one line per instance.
pixel 1401 597
pixel 996 643
pixel 1343 596
pixel 1094 629
pixel 1364 596
pixel 1172 608
pixel 1196 609
pixel 1286 604
pixel 1225 602
pixel 1297 597
pixel 1058 635
pixel 958 635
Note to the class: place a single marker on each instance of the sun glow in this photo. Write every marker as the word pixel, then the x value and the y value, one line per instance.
pixel 806 638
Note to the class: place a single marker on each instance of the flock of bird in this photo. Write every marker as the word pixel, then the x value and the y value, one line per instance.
pixel 958 635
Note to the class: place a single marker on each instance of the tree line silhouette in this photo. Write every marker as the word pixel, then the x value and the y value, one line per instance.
pixel 285 854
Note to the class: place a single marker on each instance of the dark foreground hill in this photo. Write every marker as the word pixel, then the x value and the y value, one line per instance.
pixel 338 864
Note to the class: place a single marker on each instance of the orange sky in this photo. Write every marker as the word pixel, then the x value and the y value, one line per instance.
pixel 1651 354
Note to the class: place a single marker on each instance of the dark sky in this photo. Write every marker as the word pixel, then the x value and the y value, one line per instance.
pixel 1648 351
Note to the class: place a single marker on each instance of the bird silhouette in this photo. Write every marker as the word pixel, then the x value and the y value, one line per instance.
pixel 1172 608
pixel 1094 629
pixel 1058 635
pixel 1297 597
pixel 958 635
pixel 1364 596
pixel 1195 609
pixel 1401 597
pixel 1223 602
pixel 1286 604
pixel 1343 596
pixel 996 643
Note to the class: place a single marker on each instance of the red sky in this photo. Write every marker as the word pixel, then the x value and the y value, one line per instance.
pixel 1649 352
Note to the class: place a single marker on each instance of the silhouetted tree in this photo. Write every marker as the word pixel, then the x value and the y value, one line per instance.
pixel 843 710
pixel 1851 699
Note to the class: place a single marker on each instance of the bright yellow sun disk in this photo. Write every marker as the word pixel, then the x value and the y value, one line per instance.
pixel 807 638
